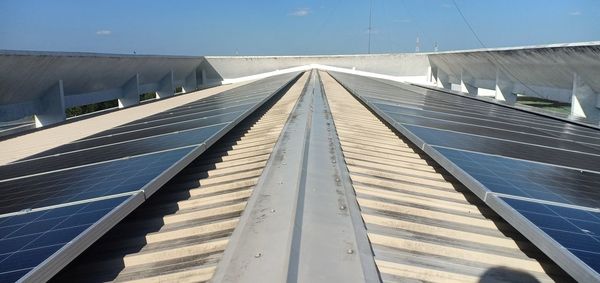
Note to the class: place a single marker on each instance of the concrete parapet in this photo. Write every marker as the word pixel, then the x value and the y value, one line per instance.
pixel 26 77
pixel 543 71
pixel 540 71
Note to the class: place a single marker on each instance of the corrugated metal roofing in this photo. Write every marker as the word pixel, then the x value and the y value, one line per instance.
pixel 422 224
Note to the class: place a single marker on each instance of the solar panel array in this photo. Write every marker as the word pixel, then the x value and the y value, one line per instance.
pixel 541 174
pixel 57 202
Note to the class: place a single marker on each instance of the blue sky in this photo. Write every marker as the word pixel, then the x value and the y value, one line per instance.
pixel 201 27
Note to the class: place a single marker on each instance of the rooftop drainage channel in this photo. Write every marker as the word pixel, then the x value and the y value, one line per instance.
pixel 302 223
pixel 180 233
pixel 422 223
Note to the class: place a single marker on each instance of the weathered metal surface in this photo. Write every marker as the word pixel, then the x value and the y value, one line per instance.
pixel 298 227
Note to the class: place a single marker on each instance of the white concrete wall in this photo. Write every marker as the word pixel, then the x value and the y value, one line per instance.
pixel 44 83
pixel 394 65
pixel 565 73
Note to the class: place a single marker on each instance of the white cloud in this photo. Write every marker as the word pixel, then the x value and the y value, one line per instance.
pixel 103 32
pixel 300 12
pixel 575 13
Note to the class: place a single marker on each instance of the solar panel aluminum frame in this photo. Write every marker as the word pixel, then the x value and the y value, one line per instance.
pixel 565 259
pixel 49 267
pixel 57 261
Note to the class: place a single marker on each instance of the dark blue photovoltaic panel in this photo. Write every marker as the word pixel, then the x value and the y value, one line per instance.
pixel 487 129
pixel 175 117
pixel 212 122
pixel 575 229
pixel 509 149
pixel 115 177
pixel 528 179
pixel 229 102
pixel 28 239
pixel 111 152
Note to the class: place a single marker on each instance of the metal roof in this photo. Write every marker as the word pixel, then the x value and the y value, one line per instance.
pixel 307 178
pixel 313 186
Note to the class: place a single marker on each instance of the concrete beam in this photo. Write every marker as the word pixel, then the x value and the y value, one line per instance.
pixel 51 106
pixel 202 77
pixel 504 88
pixel 466 85
pixel 191 83
pixel 585 102
pixel 166 87
pixel 430 78
pixel 443 80
pixel 130 92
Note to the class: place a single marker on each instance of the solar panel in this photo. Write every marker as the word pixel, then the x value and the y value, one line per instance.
pixel 575 229
pixel 527 179
pixel 145 133
pixel 541 174
pixel 177 115
pixel 92 181
pixel 485 144
pixel 109 152
pixel 26 240
pixel 58 202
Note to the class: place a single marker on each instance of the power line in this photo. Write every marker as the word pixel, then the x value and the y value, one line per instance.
pixel 468 24
pixel 497 63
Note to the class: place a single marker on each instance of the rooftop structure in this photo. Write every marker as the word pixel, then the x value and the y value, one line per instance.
pixel 388 167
